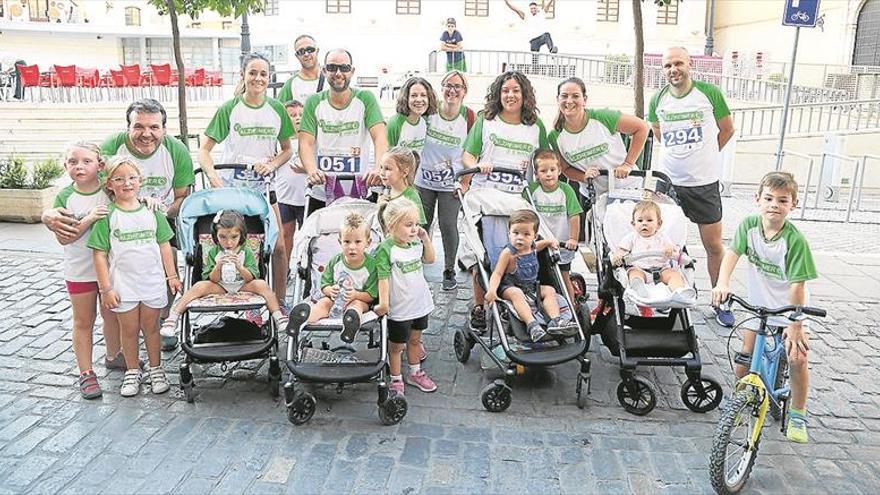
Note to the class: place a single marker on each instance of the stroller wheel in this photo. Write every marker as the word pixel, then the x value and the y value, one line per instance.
pixel 393 410
pixel 462 345
pixel 302 409
pixel 187 384
pixel 702 396
pixel 496 396
pixel 636 395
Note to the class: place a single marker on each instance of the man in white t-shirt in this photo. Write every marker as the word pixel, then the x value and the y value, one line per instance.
pixel 536 24
pixel 309 79
pixel 692 122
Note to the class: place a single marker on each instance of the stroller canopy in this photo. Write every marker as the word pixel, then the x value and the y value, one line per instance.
pixel 248 202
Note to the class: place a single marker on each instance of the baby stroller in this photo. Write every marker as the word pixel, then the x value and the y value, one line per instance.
pixel 665 339
pixel 314 352
pixel 229 338
pixel 506 340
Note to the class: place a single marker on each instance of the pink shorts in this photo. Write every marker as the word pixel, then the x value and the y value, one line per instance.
pixel 74 288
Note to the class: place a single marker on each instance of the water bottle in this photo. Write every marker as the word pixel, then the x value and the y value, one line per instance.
pixel 228 272
pixel 339 305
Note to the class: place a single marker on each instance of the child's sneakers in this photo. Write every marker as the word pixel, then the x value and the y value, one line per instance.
pixel 131 383
pixel 478 319
pixel 725 317
pixel 351 323
pixel 396 387
pixel 88 385
pixel 158 380
pixel 118 362
pixel 536 332
pixel 797 426
pixel 168 331
pixel 421 381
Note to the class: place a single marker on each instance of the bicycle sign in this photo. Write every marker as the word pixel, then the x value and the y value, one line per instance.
pixel 801 13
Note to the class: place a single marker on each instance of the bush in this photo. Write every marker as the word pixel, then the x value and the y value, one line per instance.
pixel 14 174
pixel 44 173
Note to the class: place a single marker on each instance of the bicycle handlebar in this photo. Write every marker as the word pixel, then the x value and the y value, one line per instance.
pixel 796 310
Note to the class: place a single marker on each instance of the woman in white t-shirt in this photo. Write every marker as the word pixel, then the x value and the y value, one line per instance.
pixel 253 127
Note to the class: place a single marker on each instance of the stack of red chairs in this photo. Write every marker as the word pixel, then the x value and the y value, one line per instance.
pixel 89 81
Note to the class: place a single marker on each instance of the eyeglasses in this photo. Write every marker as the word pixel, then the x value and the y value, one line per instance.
pixel 331 68
pixel 453 87
pixel 304 50
pixel 134 179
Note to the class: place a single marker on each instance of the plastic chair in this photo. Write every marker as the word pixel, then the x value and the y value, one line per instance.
pixel 30 79
pixel 214 81
pixel 89 82
pixel 64 80
pixel 160 77
pixel 132 76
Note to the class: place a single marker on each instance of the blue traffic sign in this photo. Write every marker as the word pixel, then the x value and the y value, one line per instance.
pixel 801 13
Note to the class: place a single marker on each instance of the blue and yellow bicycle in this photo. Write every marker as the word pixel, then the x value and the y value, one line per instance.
pixel 764 389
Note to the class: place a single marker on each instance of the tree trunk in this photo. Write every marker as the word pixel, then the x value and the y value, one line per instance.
pixel 639 61
pixel 181 73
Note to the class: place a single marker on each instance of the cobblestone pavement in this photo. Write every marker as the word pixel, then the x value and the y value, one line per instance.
pixel 236 438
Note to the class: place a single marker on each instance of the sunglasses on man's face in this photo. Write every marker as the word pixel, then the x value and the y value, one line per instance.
pixel 333 68
pixel 304 50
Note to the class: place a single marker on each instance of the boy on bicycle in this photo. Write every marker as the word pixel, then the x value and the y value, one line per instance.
pixel 780 264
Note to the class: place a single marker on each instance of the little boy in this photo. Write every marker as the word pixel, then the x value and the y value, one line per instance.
pixel 780 263
pixel 558 207
pixel 352 270
pixel 291 183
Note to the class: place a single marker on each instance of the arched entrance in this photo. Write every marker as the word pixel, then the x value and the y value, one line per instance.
pixel 867 44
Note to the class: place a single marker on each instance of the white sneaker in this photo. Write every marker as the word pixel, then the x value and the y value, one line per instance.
pixel 158 380
pixel 685 295
pixel 131 383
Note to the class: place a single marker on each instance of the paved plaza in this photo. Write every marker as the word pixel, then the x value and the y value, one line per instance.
pixel 236 438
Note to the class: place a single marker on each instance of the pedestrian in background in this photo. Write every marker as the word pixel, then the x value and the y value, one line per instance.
pixel 451 43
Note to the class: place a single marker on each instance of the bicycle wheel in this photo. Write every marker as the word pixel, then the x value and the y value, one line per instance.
pixel 732 457
pixel 778 408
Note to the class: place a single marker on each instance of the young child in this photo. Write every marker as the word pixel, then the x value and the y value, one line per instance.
pixel 646 236
pixel 290 183
pixel 230 233
pixel 397 169
pixel 516 274
pixel 354 269
pixel 133 263
pixel 557 205
pixel 86 201
pixel 403 291
pixel 780 264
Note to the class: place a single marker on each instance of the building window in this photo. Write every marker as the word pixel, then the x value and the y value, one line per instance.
pixel 271 7
pixel 38 10
pixel 227 25
pixel 409 7
pixel 668 14
pixel 132 16
pixel 476 8
pixel 608 10
pixel 338 6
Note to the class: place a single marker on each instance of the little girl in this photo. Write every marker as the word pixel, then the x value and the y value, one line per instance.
pixel 397 169
pixel 230 233
pixel 133 262
pixel 516 274
pixel 87 202
pixel 403 291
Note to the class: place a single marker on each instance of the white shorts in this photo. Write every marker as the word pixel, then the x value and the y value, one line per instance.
pixel 126 306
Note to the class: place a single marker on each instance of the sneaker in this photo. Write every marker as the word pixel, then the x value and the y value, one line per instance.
pixel 118 362
pixel 254 316
pixel 555 49
pixel 536 332
pixel 88 385
pixel 158 380
pixel 351 323
pixel 423 354
pixel 449 281
pixel 131 383
pixel 797 428
pixel 725 317
pixel 478 319
pixel 396 387
pixel 421 381
pixel 561 327
pixel 298 315
pixel 168 331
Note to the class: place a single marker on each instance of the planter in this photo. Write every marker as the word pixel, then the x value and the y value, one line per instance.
pixel 25 205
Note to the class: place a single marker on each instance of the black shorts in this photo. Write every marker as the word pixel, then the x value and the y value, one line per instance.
pixel 398 331
pixel 291 213
pixel 701 204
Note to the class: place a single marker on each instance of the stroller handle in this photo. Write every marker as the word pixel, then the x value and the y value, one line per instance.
pixel 639 173
pixel 476 170
pixel 225 166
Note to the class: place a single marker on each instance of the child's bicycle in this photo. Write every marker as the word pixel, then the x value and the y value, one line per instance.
pixel 765 387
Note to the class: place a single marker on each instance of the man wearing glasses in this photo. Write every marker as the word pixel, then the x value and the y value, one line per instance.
pixel 309 79
pixel 338 127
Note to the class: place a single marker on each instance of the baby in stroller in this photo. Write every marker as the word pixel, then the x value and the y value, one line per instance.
pixel 515 276
pixel 652 253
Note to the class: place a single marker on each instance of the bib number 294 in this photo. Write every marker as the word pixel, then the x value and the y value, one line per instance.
pixel 683 136
pixel 339 164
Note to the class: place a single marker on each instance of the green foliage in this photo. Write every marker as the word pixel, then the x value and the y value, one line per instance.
pixel 14 174
pixel 193 8
pixel 44 173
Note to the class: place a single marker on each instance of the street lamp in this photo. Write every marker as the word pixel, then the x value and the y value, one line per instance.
pixel 245 36
pixel 710 31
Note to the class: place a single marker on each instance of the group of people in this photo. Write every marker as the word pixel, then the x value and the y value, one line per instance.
pixel 120 251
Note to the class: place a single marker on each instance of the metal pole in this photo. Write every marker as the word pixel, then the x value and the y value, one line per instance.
pixel 797 33
pixel 245 35
pixel 710 30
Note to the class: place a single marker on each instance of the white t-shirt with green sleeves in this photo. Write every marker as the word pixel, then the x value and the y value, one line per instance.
pixel 169 167
pixel 78 263
pixel 342 135
pixel 774 264
pixel 441 155
pixel 297 88
pixel 401 133
pixel 409 293
pixel 289 185
pixel 132 238
pixel 598 145
pixel 555 207
pixel 506 146
pixel 363 277
pixel 249 135
pixel 689 133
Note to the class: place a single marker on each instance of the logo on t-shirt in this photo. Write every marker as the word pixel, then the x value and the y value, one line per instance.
pixel 770 269
pixel 409 266
pixel 155 181
pixel 588 154
pixel 696 115
pixel 517 146
pixel 550 209
pixel 339 127
pixel 135 235
pixel 442 137
pixel 256 130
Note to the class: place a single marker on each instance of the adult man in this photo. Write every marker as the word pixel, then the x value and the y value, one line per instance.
pixel 338 126
pixel 692 122
pixel 536 24
pixel 309 79
pixel 164 160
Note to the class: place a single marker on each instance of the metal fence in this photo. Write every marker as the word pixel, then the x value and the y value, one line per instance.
pixel 808 119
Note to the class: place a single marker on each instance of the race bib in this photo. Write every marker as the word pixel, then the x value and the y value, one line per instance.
pixel 441 175
pixel 683 139
pixel 505 178
pixel 248 178
pixel 339 164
